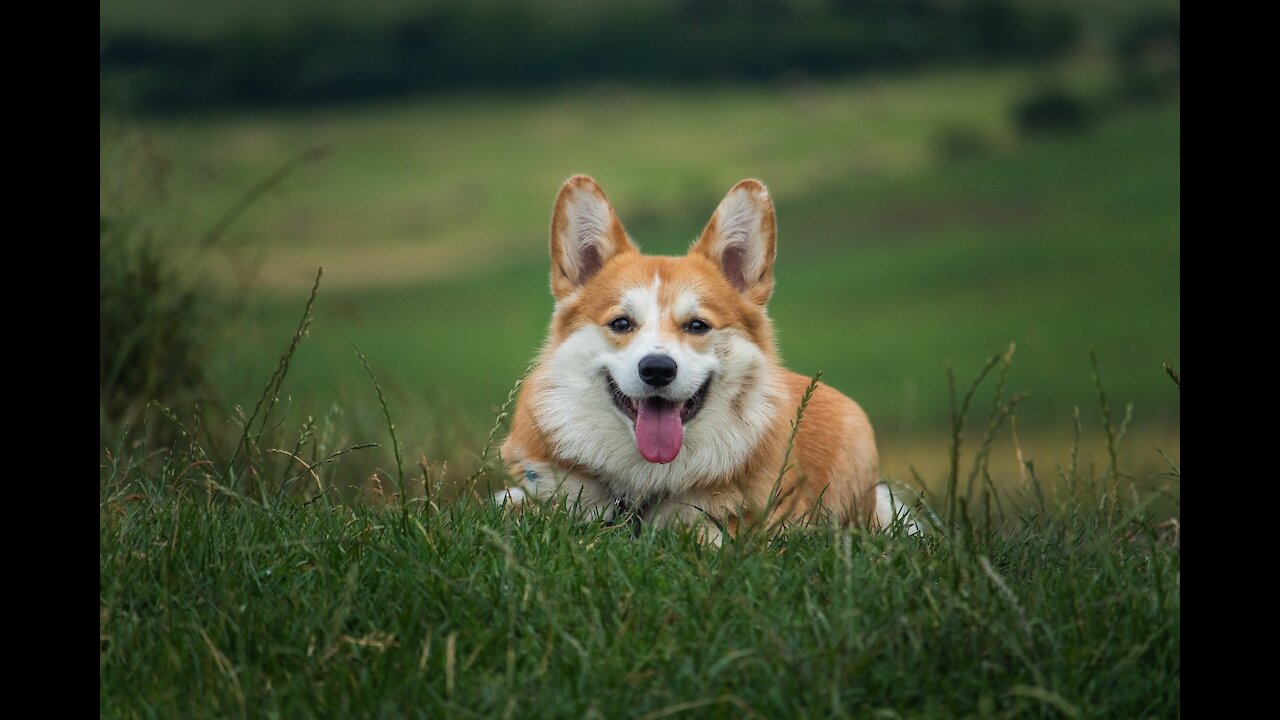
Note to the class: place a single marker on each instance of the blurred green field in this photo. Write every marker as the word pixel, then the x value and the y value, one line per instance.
pixel 895 258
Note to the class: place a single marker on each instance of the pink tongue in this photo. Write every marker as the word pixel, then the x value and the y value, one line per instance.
pixel 659 431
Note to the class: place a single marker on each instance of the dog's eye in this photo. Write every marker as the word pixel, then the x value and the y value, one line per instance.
pixel 620 324
pixel 697 327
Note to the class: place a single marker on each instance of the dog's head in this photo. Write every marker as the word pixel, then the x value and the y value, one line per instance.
pixel 651 359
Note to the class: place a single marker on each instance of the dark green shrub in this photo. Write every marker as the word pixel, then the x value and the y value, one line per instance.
pixel 1052 109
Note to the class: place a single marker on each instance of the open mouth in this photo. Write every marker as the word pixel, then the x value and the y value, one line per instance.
pixel 629 406
pixel 659 422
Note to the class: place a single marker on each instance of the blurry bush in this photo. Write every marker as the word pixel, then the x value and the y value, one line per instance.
pixel 1149 51
pixel 1050 109
pixel 186 55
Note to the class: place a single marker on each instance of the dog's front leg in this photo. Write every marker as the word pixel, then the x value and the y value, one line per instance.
pixel 712 514
pixel 581 493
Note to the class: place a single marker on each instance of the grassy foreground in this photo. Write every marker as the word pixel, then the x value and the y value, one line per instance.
pixel 224 592
pixel 235 609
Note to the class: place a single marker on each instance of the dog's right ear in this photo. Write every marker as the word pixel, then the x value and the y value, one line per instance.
pixel 585 234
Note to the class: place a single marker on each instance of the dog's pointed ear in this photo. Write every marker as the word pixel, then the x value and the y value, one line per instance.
pixel 742 240
pixel 585 234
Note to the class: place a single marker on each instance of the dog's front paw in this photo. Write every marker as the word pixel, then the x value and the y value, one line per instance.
pixel 513 496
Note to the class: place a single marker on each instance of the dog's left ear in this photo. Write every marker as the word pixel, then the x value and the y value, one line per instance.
pixel 741 238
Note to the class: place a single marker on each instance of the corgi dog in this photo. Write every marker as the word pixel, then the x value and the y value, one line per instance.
pixel 659 398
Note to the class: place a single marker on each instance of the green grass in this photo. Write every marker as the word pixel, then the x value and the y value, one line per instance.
pixel 278 612
pixel 1061 600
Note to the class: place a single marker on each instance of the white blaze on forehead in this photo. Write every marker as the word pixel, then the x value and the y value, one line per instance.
pixel 641 303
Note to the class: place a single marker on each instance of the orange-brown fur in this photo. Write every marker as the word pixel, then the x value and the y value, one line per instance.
pixel 834 457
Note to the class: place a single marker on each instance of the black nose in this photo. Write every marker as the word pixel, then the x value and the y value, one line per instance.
pixel 657 370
